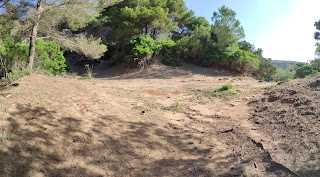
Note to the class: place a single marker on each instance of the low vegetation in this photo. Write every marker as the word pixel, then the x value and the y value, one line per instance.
pixel 290 112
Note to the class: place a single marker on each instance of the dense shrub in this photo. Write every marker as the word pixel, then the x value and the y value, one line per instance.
pixel 285 75
pixel 316 64
pixel 171 53
pixel 266 69
pixel 142 49
pixel 141 46
pixel 50 57
pixel 196 44
pixel 237 60
pixel 14 75
pixel 13 56
pixel 244 61
pixel 305 70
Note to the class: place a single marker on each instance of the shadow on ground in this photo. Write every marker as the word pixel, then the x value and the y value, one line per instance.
pixel 155 71
pixel 42 143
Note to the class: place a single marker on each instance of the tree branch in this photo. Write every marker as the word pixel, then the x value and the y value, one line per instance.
pixel 51 37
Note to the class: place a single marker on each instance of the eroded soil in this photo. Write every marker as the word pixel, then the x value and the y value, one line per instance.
pixel 290 114
pixel 155 123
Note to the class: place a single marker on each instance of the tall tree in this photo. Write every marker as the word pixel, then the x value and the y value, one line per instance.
pixel 226 29
pixel 317 33
pixel 58 20
pixel 318 49
pixel 34 35
pixel 247 46
pixel 317 37
pixel 131 18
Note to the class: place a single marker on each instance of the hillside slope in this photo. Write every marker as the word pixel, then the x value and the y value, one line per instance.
pixel 281 64
pixel 290 114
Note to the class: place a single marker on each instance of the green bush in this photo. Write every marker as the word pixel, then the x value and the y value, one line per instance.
pixel 266 69
pixel 171 53
pixel 141 46
pixel 50 57
pixel 224 87
pixel 172 62
pixel 14 75
pixel 305 70
pixel 237 60
pixel 285 75
pixel 12 54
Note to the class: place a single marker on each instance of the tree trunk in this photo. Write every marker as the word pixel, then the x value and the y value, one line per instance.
pixel 33 37
pixel 146 26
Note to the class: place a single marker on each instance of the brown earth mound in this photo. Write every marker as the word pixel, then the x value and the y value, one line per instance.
pixel 290 114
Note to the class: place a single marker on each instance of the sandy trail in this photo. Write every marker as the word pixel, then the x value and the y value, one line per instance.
pixel 55 126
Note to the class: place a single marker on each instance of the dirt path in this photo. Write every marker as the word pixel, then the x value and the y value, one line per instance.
pixel 54 126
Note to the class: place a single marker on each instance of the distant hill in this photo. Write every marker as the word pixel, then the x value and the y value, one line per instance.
pixel 284 64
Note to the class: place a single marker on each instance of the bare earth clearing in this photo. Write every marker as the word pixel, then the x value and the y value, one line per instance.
pixel 159 122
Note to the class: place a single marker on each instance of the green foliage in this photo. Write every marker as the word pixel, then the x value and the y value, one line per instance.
pixel 11 53
pixel 305 70
pixel 317 33
pixel 316 64
pixel 224 87
pixel 244 45
pixel 14 75
pixel 226 29
pixel 318 49
pixel 237 60
pixel 144 47
pixel 171 53
pixel 196 44
pixel 90 47
pixel 50 57
pixel 266 69
pixel 285 75
pixel 141 46
pixel 172 62
pixel 244 61
pixel 135 17
pixel 84 78
pixel 223 91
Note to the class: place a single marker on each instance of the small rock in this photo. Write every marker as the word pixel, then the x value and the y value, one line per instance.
pixel 288 100
pixel 273 98
pixel 292 92
pixel 15 84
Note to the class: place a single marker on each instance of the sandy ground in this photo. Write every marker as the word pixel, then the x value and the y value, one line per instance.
pixel 156 122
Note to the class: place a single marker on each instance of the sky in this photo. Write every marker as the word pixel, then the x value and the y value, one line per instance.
pixel 282 28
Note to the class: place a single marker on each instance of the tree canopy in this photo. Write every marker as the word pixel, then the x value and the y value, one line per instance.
pixel 227 29
pixel 137 31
